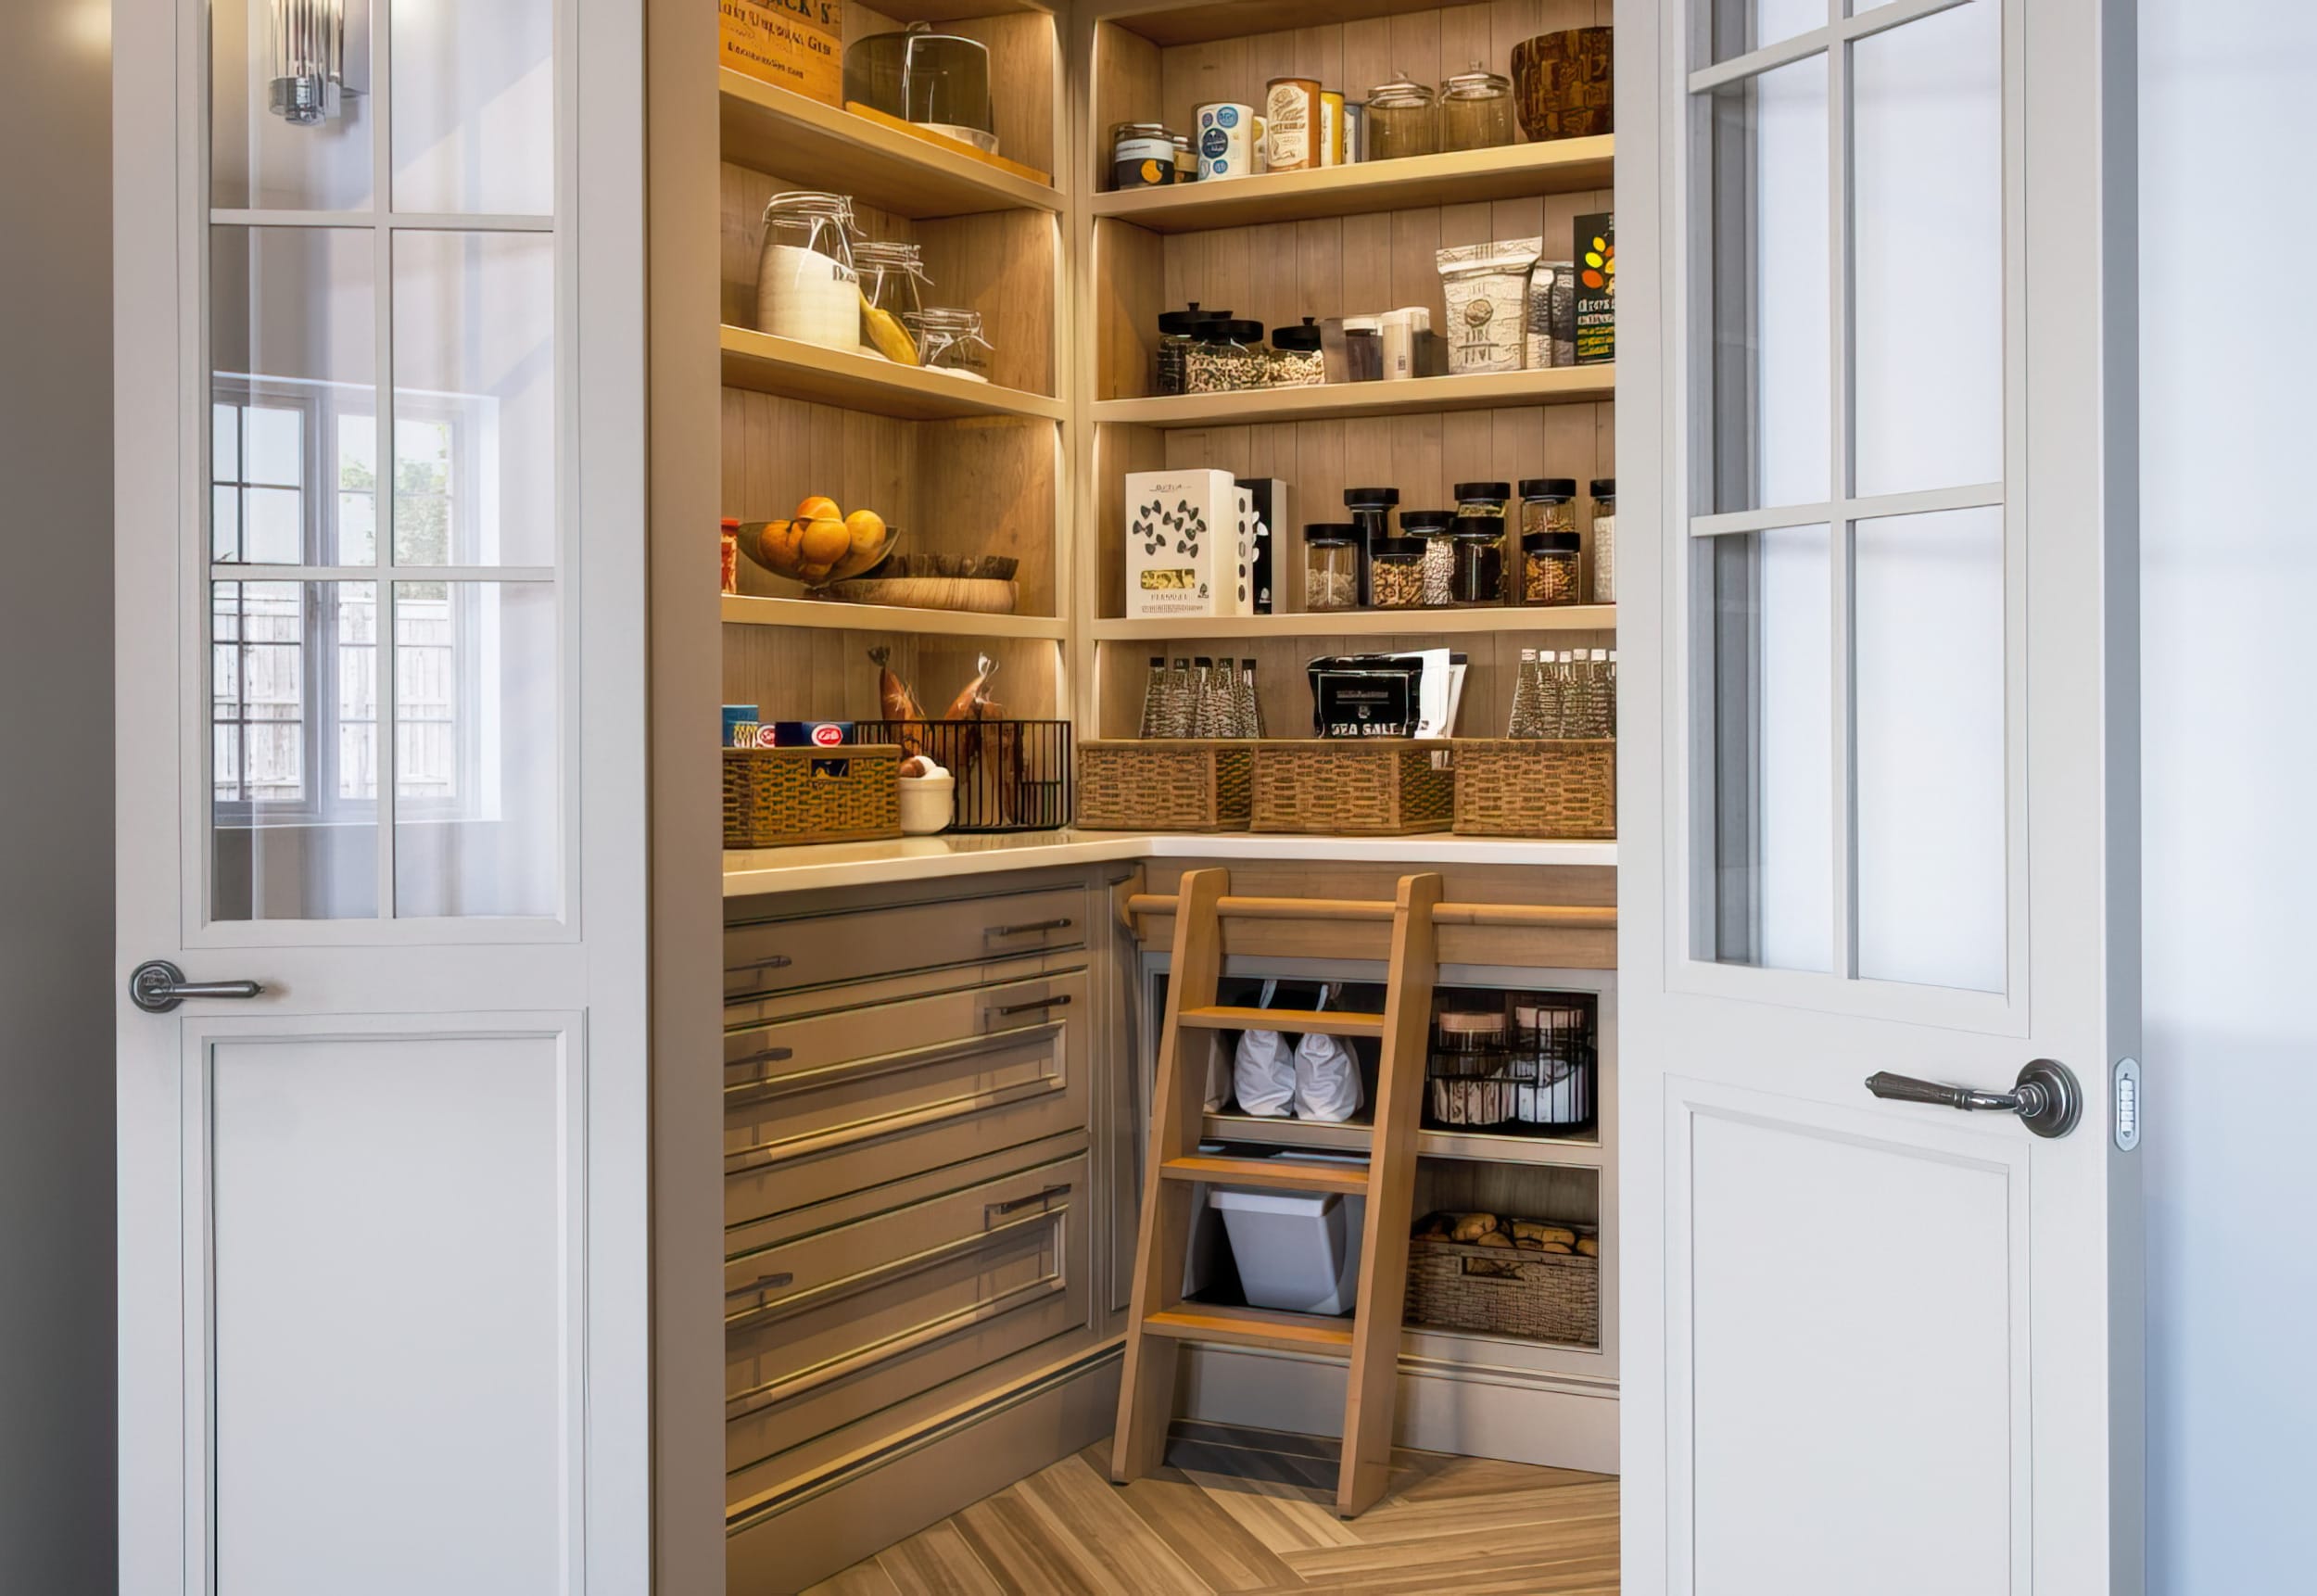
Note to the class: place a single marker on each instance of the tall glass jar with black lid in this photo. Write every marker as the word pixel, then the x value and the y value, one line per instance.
pixel 1177 329
pixel 1331 566
pixel 1477 544
pixel 1296 360
pixel 1371 510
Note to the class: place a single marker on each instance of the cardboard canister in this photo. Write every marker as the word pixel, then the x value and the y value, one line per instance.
pixel 1291 110
pixel 1331 128
pixel 1226 140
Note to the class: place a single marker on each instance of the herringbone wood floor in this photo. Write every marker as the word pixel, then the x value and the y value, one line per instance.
pixel 1248 1512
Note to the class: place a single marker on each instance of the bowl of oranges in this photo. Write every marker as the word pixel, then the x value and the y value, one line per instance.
pixel 820 543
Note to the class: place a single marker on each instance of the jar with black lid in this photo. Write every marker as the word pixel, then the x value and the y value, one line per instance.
pixel 1483 499
pixel 1331 567
pixel 1548 504
pixel 1549 568
pixel 1396 573
pixel 1477 543
pixel 1604 539
pixel 1141 155
pixel 1177 329
pixel 1431 527
pixel 1371 510
pixel 1226 357
pixel 1296 360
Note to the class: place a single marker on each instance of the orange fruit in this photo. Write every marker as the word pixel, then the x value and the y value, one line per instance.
pixel 817 508
pixel 868 529
pixel 826 542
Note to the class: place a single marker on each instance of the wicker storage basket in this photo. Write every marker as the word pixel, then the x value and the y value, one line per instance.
pixel 1164 785
pixel 774 797
pixel 1530 787
pixel 1339 787
pixel 1505 1290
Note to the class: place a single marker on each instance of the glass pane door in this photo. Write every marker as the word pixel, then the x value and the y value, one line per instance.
pixel 386 578
pixel 1848 523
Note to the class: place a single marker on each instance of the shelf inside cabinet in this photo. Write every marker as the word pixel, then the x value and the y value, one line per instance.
pixel 1171 22
pixel 1581 1150
pixel 794 370
pixel 770 129
pixel 822 614
pixel 1565 166
pixel 1368 623
pixel 1342 401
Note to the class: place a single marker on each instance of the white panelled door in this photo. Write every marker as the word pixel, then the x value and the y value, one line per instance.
pixel 1878 956
pixel 385 1273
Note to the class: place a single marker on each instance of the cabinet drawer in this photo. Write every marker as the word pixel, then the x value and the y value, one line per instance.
pixel 831 1103
pixel 824 950
pixel 825 1330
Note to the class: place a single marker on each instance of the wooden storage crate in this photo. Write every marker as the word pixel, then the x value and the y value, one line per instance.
pixel 1505 1290
pixel 1165 784
pixel 775 797
pixel 1343 787
pixel 1532 787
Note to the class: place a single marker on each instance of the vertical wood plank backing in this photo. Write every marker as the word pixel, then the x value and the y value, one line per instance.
pixel 1129 86
pixel 1523 1191
pixel 1130 277
pixel 1024 51
pixel 794 674
pixel 1118 451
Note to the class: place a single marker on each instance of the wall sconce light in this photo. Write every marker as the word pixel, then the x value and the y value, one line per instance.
pixel 308 60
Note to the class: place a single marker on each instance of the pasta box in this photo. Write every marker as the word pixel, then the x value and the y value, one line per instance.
pixel 796 44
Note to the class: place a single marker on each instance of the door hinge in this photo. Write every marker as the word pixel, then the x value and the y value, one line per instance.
pixel 2127 1103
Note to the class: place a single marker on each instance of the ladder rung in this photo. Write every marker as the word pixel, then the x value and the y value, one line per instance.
pixel 1298 1021
pixel 1252 1327
pixel 1270 1174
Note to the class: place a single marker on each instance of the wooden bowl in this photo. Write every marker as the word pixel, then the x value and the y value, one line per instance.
pixel 1563 84
pixel 969 595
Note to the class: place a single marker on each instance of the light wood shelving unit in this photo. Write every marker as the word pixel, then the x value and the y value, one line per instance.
pixel 763 364
pixel 1469 177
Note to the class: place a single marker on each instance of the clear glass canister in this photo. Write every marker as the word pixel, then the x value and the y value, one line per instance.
pixel 949 339
pixel 1396 573
pixel 1224 358
pixel 1549 568
pixel 1177 331
pixel 893 278
pixel 1548 504
pixel 1402 120
pixel 1331 567
pixel 1604 541
pixel 1490 500
pixel 1371 510
pixel 1296 360
pixel 807 285
pixel 1440 552
pixel 1476 111
pixel 1478 546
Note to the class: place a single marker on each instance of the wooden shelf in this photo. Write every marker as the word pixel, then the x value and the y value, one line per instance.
pixel 822 614
pixel 1368 623
pixel 1173 22
pixel 1343 401
pixel 793 370
pixel 1565 166
pixel 1583 1151
pixel 771 129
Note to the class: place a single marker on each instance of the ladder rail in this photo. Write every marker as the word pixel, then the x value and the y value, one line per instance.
pixel 1542 917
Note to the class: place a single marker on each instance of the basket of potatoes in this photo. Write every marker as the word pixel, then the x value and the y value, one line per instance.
pixel 1536 1279
pixel 820 543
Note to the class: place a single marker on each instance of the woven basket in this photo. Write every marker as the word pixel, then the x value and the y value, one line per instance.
pixel 1126 785
pixel 1340 787
pixel 1528 787
pixel 1505 1291
pixel 775 797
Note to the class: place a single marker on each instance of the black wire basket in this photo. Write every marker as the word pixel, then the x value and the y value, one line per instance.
pixel 1012 775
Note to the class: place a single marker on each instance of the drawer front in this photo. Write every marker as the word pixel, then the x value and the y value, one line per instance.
pixel 838 1325
pixel 825 950
pixel 818 1108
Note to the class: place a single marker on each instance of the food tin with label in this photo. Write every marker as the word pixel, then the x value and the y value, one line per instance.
pixel 1141 155
pixel 1331 128
pixel 1186 158
pixel 1226 140
pixel 1291 112
pixel 1355 132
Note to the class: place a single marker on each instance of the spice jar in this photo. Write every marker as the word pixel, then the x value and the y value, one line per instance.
pixel 1224 358
pixel 1396 573
pixel 1439 554
pixel 1477 543
pixel 1476 111
pixel 806 287
pixel 1604 541
pixel 949 339
pixel 1549 568
pixel 1141 155
pixel 1401 120
pixel 1331 567
pixel 1295 361
pixel 1548 504
pixel 1371 511
pixel 1177 331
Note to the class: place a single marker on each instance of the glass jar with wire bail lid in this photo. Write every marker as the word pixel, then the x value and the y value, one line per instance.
pixel 949 339
pixel 892 284
pixel 807 287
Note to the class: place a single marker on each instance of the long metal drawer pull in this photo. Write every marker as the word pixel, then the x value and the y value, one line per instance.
pixel 1063 924
pixel 2045 1096
pixel 765 1056
pixel 776 961
pixel 1043 1003
pixel 1033 1199
pixel 763 1283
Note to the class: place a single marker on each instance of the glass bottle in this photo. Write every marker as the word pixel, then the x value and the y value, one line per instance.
pixel 1527 719
pixel 1609 694
pixel 1202 698
pixel 1177 331
pixel 1401 120
pixel 807 285
pixel 949 339
pixel 1476 111
pixel 1251 701
pixel 1396 573
pixel 1155 700
pixel 1604 541
pixel 1331 567
pixel 1180 707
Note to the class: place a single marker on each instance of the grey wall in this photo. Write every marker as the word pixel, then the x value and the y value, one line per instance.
pixel 55 801
pixel 2230 564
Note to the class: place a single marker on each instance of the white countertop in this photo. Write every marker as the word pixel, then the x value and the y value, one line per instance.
pixel 750 872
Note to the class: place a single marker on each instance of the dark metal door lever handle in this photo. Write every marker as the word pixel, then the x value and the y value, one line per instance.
pixel 2045 1096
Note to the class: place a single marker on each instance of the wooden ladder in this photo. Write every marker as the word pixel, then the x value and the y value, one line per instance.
pixel 1370 1337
